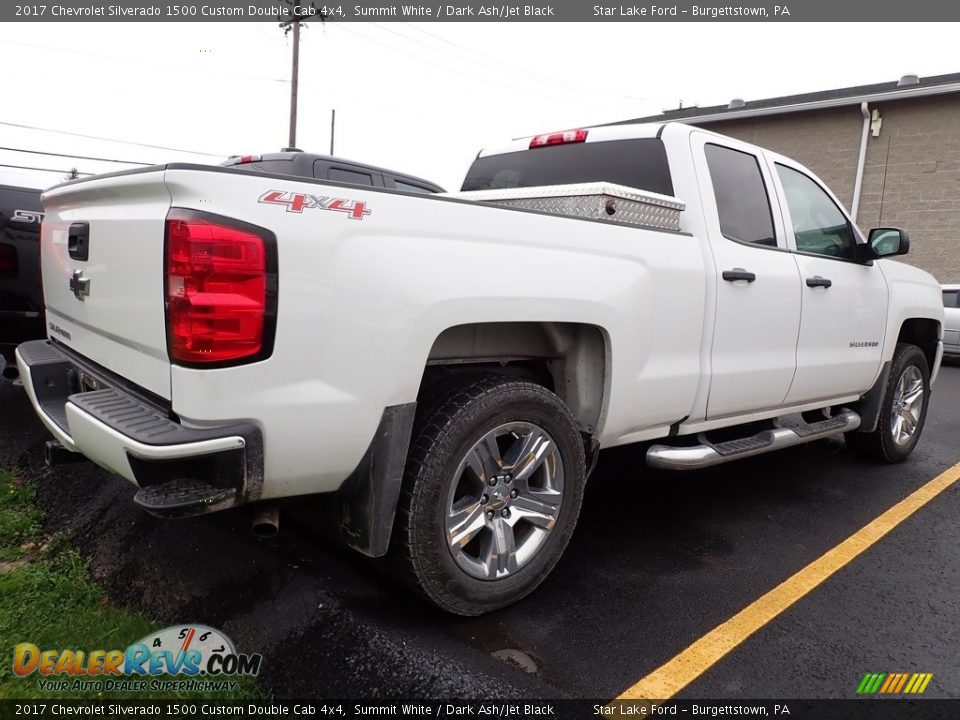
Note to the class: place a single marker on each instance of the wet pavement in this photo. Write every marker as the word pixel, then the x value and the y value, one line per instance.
pixel 657 561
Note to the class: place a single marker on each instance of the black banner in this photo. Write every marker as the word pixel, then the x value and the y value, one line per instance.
pixel 473 11
pixel 858 709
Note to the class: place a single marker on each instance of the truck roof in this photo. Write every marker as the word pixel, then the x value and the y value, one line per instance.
pixel 28 198
pixel 315 165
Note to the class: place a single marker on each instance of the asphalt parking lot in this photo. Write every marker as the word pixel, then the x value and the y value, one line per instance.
pixel 657 561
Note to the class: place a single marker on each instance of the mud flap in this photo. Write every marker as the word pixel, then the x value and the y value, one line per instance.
pixel 367 501
pixel 868 407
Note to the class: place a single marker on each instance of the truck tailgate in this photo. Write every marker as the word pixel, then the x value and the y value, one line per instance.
pixel 106 300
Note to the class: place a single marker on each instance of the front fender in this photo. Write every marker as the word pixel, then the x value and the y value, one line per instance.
pixel 914 295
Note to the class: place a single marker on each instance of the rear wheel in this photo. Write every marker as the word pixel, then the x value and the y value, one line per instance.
pixel 902 411
pixel 491 494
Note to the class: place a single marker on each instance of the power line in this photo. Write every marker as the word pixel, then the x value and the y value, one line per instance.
pixel 508 66
pixel 165 66
pixel 113 140
pixel 50 170
pixel 432 63
pixel 75 157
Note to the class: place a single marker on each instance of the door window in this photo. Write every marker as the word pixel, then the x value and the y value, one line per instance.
pixel 742 201
pixel 349 176
pixel 410 187
pixel 819 226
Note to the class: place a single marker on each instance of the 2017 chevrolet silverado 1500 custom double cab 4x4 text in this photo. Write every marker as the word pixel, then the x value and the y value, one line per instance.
pixel 446 368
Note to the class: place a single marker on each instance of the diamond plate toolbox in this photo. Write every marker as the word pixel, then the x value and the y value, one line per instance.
pixel 595 201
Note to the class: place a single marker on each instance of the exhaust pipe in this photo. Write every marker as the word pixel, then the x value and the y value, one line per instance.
pixel 266 523
pixel 11 372
pixel 56 454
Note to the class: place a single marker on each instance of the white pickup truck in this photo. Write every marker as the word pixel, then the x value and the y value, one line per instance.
pixel 447 367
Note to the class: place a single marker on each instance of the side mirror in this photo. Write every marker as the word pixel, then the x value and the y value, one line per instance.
pixel 887 242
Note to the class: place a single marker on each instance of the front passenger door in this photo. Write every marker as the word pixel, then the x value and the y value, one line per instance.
pixel 844 302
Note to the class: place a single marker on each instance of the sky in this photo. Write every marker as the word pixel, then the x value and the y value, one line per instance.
pixel 420 98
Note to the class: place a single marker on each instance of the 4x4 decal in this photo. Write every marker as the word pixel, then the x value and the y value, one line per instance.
pixel 296 202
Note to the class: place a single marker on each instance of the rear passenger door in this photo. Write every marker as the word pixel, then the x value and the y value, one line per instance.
pixel 753 357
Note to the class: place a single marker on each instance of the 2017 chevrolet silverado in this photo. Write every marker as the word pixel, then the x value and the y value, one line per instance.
pixel 446 368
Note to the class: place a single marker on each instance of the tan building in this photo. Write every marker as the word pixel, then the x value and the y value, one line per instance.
pixel 891 153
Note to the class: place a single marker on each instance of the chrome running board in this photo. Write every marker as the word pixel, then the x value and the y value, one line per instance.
pixel 669 457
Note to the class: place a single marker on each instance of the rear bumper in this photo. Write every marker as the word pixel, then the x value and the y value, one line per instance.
pixel 90 412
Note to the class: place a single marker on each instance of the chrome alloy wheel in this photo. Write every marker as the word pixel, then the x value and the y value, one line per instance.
pixel 504 500
pixel 907 407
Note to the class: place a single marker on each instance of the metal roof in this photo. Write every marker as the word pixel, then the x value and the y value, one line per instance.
pixel 933 85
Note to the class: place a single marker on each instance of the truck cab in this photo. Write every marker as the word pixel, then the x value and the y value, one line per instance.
pixel 797 310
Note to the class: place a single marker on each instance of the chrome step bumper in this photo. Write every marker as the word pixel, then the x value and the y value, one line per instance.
pixel 707 454
pixel 181 470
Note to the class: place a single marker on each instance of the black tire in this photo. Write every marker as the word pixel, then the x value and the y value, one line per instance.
pixel 445 434
pixel 881 444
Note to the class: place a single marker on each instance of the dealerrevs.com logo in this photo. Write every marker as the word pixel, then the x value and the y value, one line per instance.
pixel 196 657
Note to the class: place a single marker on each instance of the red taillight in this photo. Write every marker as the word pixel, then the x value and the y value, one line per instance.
pixel 8 261
pixel 559 138
pixel 217 289
pixel 248 159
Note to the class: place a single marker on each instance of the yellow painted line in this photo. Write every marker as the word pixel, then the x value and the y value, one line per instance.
pixel 915 680
pixel 674 675
pixel 926 681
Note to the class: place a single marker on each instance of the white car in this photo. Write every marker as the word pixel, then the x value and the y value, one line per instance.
pixel 951 325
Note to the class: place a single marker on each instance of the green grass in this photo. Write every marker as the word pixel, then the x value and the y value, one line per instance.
pixel 48 598
pixel 19 518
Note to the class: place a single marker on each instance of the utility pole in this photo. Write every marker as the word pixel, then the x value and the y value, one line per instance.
pixel 333 126
pixel 300 11
pixel 294 81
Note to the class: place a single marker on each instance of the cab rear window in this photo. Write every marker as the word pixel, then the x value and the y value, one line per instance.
pixel 639 163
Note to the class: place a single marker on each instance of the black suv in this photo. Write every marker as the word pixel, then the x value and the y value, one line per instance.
pixel 328 167
pixel 21 294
